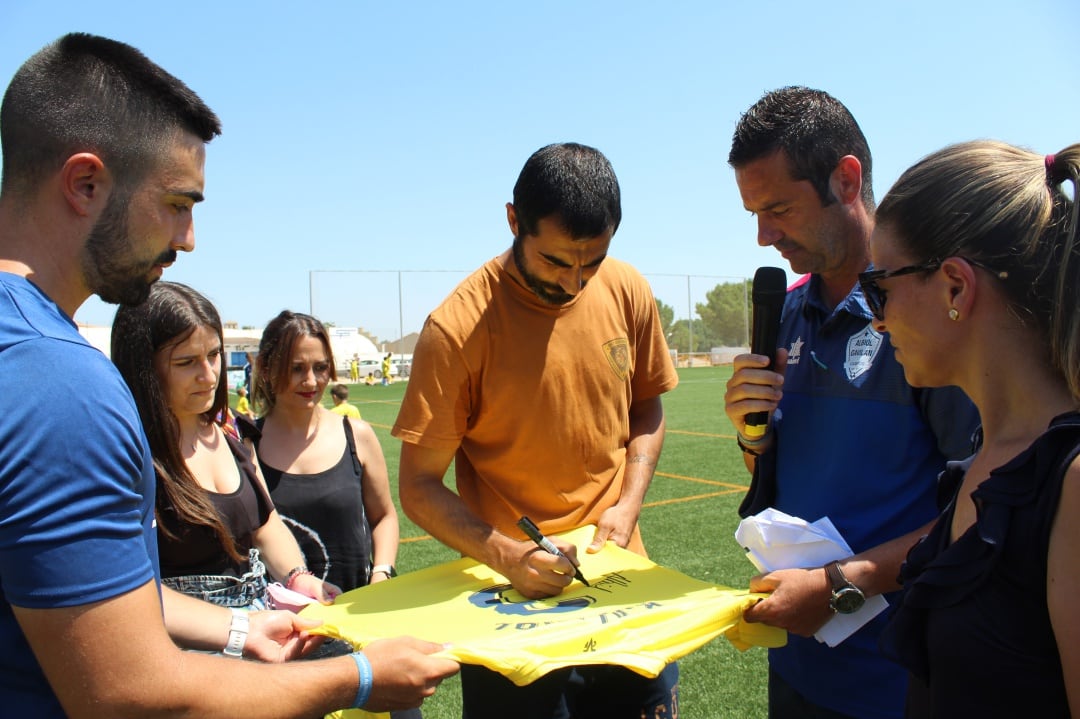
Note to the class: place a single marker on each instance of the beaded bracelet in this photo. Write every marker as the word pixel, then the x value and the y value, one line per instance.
pixel 294 573
pixel 363 691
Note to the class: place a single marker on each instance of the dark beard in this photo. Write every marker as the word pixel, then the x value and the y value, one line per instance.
pixel 548 294
pixel 110 270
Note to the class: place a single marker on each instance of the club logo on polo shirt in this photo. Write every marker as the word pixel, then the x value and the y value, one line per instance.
pixel 617 352
pixel 862 348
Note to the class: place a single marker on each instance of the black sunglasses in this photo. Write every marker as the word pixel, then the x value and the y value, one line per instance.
pixel 875 296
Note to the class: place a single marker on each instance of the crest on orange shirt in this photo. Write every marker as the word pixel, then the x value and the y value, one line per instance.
pixel 617 352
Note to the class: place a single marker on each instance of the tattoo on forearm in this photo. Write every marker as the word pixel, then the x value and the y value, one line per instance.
pixel 642 459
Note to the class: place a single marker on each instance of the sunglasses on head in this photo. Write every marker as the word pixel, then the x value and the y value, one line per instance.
pixel 875 296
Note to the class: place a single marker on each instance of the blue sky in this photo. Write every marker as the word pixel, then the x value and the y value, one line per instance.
pixel 387 136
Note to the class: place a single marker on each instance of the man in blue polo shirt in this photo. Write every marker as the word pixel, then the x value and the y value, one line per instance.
pixel 848 438
pixel 103 156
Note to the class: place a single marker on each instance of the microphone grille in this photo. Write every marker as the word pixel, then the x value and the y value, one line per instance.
pixel 770 283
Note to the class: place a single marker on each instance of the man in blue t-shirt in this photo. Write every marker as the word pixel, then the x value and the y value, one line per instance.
pixel 103 155
pixel 847 437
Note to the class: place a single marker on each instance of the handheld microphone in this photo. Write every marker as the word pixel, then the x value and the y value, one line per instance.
pixel 770 288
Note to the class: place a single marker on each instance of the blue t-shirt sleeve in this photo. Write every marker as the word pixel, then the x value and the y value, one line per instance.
pixel 76 480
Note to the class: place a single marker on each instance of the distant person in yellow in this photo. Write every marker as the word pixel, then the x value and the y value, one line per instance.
pixel 370 379
pixel 386 369
pixel 242 405
pixel 340 394
pixel 354 369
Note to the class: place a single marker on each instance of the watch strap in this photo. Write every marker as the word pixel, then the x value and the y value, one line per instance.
pixel 846 597
pixel 238 632
pixel 837 580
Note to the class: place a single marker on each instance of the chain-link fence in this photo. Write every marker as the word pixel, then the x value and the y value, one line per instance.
pixel 708 316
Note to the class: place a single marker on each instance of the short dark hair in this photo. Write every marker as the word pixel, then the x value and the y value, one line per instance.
pixel 812 128
pixel 168 317
pixel 85 93
pixel 571 183
pixel 272 365
pixel 340 391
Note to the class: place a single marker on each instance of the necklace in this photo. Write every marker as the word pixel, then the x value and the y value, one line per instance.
pixel 195 438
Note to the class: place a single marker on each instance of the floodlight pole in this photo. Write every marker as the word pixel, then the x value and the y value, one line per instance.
pixel 401 319
pixel 311 292
pixel 689 322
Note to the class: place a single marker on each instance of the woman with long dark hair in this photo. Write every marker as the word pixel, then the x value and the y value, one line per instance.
pixel 218 531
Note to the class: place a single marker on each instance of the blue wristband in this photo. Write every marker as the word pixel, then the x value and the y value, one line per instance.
pixel 363 691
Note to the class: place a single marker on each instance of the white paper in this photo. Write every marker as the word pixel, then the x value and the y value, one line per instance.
pixel 774 540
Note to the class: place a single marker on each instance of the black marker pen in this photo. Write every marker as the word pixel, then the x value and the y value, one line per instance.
pixel 544 543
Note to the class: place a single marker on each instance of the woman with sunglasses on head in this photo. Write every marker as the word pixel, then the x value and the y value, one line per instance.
pixel 977 281
pixel 218 532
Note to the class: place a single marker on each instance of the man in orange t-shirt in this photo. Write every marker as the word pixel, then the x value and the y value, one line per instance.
pixel 541 376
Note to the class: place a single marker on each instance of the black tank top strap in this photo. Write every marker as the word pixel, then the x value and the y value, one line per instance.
pixel 247 470
pixel 350 439
pixel 249 428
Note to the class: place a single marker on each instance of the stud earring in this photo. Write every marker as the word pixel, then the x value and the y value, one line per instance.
pixel 953 314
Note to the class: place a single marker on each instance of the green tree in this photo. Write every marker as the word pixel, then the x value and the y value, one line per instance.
pixel 679 337
pixel 725 313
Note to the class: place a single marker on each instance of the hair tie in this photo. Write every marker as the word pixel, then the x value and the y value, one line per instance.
pixel 1053 177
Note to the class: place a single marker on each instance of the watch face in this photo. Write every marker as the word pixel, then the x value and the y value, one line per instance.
pixel 848 600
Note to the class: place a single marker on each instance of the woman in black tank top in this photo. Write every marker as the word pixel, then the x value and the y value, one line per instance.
pixel 218 532
pixel 326 473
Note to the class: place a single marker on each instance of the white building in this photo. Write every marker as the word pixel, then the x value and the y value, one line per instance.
pixel 344 343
